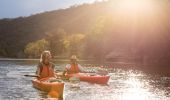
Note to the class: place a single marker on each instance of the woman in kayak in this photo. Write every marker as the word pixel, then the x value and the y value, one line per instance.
pixel 45 68
pixel 73 67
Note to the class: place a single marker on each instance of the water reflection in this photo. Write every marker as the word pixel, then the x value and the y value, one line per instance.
pixel 123 85
pixel 137 87
pixel 44 96
pixel 136 90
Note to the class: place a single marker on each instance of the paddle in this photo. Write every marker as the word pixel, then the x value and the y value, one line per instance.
pixel 31 76
pixel 102 72
pixel 50 80
pixel 97 72
pixel 71 79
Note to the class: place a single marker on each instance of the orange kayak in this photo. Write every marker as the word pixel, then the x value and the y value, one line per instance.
pixel 49 86
pixel 99 79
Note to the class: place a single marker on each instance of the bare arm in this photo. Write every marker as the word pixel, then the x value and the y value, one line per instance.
pixel 53 69
pixel 64 72
pixel 66 69
pixel 81 69
pixel 38 71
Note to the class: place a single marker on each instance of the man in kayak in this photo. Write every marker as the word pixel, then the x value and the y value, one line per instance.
pixel 45 68
pixel 73 67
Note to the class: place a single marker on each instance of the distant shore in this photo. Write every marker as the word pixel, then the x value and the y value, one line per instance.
pixel 27 59
pixel 16 59
pixel 160 69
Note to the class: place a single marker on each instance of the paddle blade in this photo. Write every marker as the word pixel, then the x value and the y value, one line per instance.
pixel 102 72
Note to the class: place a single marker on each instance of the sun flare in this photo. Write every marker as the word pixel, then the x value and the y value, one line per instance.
pixel 136 16
pixel 135 6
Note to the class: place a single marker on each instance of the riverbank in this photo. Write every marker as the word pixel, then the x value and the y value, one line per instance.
pixel 162 69
pixel 27 59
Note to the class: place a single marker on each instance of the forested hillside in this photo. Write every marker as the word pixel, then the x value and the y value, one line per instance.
pixel 100 30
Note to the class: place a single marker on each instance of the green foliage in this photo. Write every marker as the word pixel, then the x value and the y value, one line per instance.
pixel 75 44
pixel 98 27
pixel 56 39
pixel 62 44
pixel 96 38
pixel 34 49
pixel 95 30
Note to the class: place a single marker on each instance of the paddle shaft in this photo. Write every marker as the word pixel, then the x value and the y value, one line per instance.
pixel 31 76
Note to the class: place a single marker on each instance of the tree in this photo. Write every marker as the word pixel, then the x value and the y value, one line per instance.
pixel 95 40
pixel 73 44
pixel 76 44
pixel 56 39
pixel 34 49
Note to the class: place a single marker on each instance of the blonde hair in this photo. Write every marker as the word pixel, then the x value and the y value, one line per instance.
pixel 43 55
pixel 73 57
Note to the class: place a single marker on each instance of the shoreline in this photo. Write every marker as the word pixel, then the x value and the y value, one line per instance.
pixel 15 59
pixel 27 59
pixel 148 68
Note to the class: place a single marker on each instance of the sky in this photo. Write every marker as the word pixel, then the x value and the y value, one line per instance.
pixel 17 8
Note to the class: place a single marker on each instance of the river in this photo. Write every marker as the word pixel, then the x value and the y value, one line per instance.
pixel 123 85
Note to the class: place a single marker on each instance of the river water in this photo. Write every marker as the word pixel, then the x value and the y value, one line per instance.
pixel 123 85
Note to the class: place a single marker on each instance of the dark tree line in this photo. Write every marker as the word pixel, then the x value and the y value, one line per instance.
pixel 88 30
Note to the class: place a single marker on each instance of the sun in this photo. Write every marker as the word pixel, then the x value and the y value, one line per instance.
pixel 134 6
pixel 136 12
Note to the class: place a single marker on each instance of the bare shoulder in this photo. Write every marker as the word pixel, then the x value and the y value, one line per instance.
pixel 68 66
pixel 79 65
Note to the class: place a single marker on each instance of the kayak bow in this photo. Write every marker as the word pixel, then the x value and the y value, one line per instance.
pixel 49 86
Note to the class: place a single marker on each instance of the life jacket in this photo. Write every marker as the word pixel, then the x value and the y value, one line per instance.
pixel 46 71
pixel 73 69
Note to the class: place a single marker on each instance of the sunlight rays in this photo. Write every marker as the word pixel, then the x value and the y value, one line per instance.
pixel 138 16
pixel 135 6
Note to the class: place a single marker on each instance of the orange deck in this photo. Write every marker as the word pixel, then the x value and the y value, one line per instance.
pixel 45 85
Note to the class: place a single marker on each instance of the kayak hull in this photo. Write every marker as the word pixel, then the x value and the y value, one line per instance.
pixel 99 79
pixel 45 85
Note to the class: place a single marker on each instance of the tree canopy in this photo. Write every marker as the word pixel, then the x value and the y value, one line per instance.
pixel 97 30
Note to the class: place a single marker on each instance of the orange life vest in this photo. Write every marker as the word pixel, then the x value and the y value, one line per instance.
pixel 74 69
pixel 46 71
